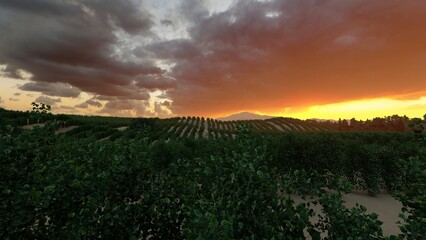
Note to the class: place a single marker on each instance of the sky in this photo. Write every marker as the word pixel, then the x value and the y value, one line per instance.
pixel 325 59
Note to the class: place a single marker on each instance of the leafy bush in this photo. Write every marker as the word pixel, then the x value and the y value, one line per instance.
pixel 52 186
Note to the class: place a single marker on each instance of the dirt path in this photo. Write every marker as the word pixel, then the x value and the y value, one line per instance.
pixel 183 131
pixel 283 125
pixel 31 126
pixel 189 121
pixel 290 126
pixel 104 139
pixel 276 126
pixel 122 128
pixel 171 129
pixel 206 130
pixel 65 129
pixel 300 126
pixel 198 130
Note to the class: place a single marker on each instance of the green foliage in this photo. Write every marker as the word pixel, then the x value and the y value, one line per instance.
pixel 413 197
pixel 370 161
pixel 343 223
pixel 137 185
pixel 235 198
pixel 417 125
pixel 143 123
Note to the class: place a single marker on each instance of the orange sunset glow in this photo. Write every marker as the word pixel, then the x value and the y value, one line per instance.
pixel 304 59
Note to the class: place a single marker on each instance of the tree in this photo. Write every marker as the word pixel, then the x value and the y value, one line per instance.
pixel 40 111
pixel 41 108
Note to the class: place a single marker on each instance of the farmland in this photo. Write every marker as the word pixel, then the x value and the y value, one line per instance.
pixel 192 177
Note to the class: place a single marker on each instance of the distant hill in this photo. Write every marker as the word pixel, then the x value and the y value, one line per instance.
pixel 245 116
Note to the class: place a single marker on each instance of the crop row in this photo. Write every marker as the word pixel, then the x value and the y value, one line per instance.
pixel 56 187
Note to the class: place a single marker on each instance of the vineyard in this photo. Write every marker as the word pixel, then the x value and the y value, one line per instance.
pixel 103 128
pixel 78 177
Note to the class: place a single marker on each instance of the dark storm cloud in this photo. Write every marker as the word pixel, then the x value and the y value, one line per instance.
pixel 193 10
pixel 51 89
pixel 47 100
pixel 94 103
pixel 120 105
pixel 72 42
pixel 126 107
pixel 166 104
pixel 256 55
pixel 175 50
pixel 126 93
pixel 167 22
pixel 82 105
pixel 156 81
pixel 11 72
pixel 274 54
pixel 88 103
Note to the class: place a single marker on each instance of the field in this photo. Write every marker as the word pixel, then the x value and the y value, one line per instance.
pixel 78 177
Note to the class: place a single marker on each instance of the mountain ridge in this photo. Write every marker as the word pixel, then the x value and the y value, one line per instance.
pixel 245 116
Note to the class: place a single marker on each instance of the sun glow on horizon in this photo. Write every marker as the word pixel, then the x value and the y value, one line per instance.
pixel 360 109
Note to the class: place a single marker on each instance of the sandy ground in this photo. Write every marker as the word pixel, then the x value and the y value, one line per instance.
pixel 300 127
pixel 65 129
pixel 198 129
pixel 31 126
pixel 218 135
pixel 171 129
pixel 276 126
pixel 284 125
pixel 122 128
pixel 206 130
pixel 183 131
pixel 386 207
pixel 104 139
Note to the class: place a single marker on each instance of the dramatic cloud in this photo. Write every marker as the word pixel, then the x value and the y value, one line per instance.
pixel 268 55
pixel 52 89
pixel 126 107
pixel 167 22
pixel 82 105
pixel 94 103
pixel 88 103
pixel 48 100
pixel 73 43
pixel 157 81
pixel 201 57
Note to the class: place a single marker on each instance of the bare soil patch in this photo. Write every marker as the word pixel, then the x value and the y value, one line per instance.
pixel 65 129
pixel 122 128
pixel 276 126
pixel 31 126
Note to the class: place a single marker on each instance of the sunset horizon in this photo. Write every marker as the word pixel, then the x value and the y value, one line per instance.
pixel 311 59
